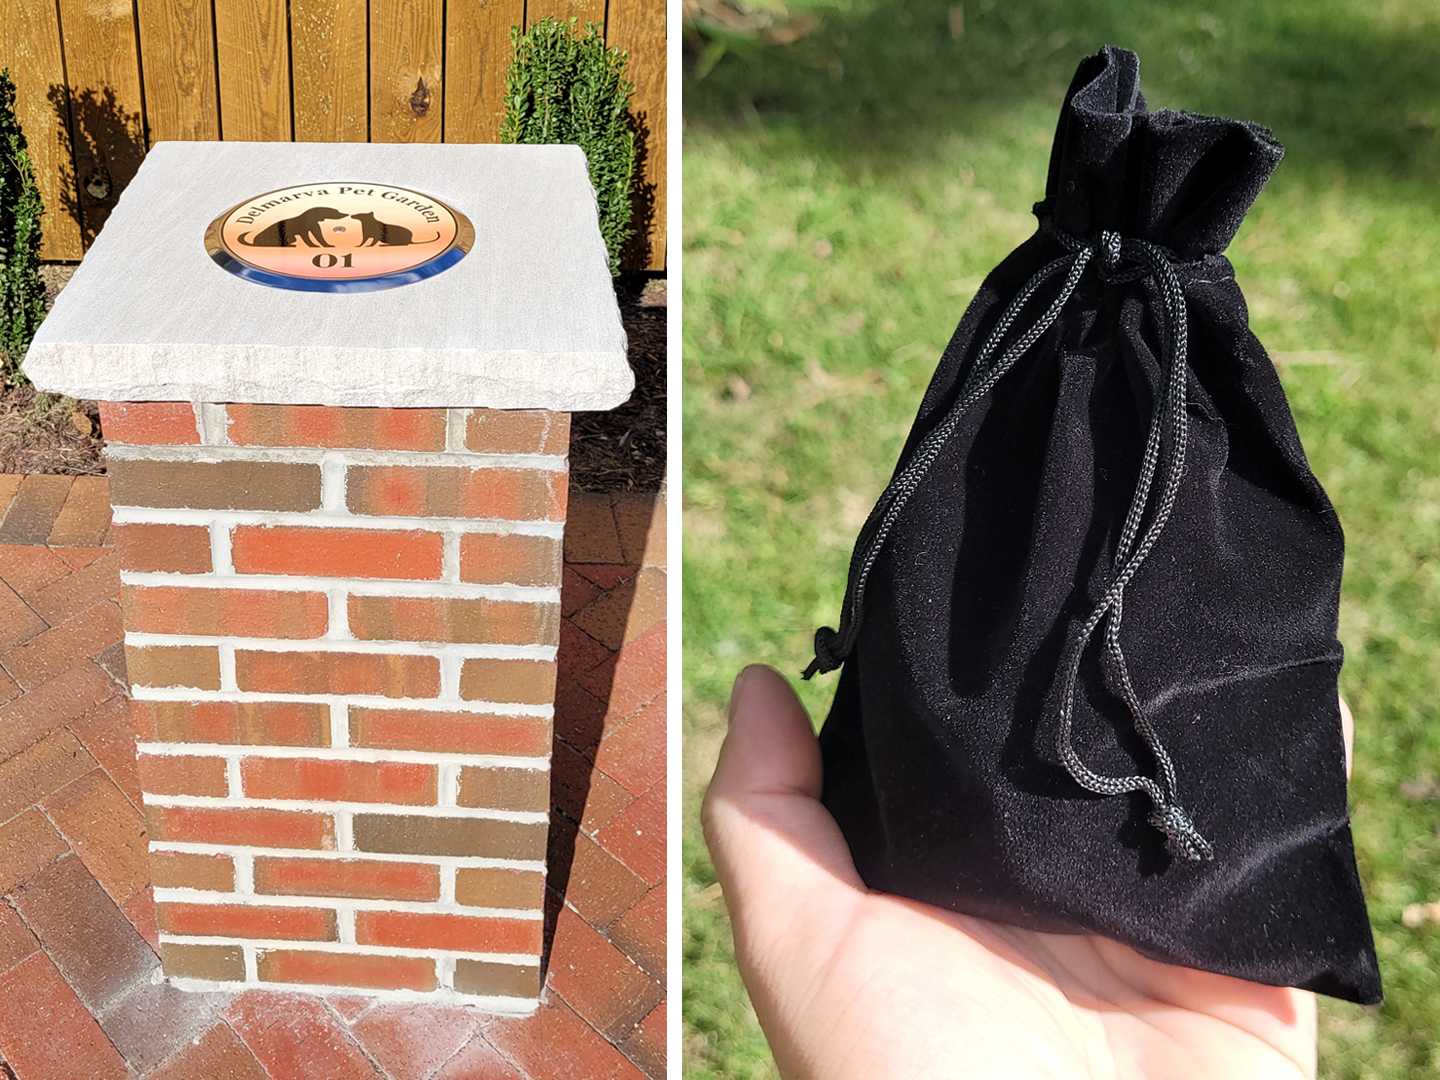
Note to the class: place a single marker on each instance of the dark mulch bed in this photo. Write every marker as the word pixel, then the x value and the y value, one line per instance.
pixel 620 450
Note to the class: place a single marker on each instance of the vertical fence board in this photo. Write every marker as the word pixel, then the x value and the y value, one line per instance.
pixel 477 57
pixel 30 45
pixel 586 11
pixel 105 106
pixel 177 52
pixel 331 98
pixel 406 92
pixel 252 44
pixel 638 27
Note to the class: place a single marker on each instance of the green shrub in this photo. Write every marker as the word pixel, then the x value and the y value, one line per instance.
pixel 22 294
pixel 566 87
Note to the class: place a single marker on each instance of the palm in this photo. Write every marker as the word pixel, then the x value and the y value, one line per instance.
pixel 849 983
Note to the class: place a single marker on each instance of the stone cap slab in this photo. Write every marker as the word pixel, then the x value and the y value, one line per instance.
pixel 526 320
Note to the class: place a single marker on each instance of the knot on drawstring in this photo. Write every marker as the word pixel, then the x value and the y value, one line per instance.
pixel 827 654
pixel 1108 248
pixel 1171 820
pixel 1163 460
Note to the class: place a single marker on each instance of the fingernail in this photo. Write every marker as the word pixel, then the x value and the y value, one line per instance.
pixel 735 694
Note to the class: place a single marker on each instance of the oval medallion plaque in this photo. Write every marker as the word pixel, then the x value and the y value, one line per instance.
pixel 351 237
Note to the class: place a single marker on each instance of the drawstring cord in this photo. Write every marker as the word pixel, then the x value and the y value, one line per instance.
pixel 1164 455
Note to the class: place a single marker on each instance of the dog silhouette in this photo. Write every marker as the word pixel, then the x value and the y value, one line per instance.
pixel 304 226
pixel 376 232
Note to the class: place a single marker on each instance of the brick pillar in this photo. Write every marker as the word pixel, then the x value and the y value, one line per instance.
pixel 341 627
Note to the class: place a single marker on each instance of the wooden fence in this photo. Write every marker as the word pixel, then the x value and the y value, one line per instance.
pixel 99 81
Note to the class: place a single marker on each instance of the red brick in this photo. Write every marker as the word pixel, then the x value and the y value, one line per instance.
pixel 575 591
pixel 48 654
pixel 441 491
pixel 258 828
pixel 581 791
pixel 70 694
pixel 347 969
pixel 517 431
pixel 9 484
pixel 106 831
pixel 195 667
pixel 40 770
pixel 172 774
pixel 635 754
pixel 28 844
pixel 106 732
pixel 91 941
pixel 411 1041
pixel 399 783
pixel 331 426
pixel 634 678
pixel 393 675
pixel 637 835
pixel 341 553
pixel 640 933
pixel 295 1038
pixel 366 879
pixel 77 558
pixel 246 921
pixel 646 1044
pixel 45 1031
pixel 445 619
pixel 594 882
pixel 18 623
pixel 9 688
pixel 264 723
pixel 590 532
pixel 140 910
pixel 597 980
pixel 478 1061
pixel 28 567
pixel 261 613
pixel 349 1007
pixel 449 732
pixel 16 942
pixel 462 933
pixel 515 559
pixel 578 651
pixel 217 1055
pixel 84 520
pixel 149 423
pixel 172 549
pixel 68 596
pixel 558 1045
pixel 32 512
pixel 626 611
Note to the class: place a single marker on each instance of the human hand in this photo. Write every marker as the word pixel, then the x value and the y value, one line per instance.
pixel 850 983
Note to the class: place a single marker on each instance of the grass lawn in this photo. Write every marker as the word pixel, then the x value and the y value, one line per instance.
pixel 844 196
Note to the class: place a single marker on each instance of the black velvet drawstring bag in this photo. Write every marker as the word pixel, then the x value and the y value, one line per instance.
pixel 1089 638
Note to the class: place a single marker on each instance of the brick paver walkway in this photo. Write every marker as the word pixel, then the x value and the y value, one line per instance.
pixel 80 989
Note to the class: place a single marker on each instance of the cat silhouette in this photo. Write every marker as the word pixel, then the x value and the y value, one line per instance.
pixel 304 226
pixel 376 232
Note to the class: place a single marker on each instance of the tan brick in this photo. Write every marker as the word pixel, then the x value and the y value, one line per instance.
pixel 84 521
pixel 516 559
pixel 441 619
pixel 261 613
pixel 525 682
pixel 498 980
pixel 505 789
pixel 392 675
pixel 517 431
pixel 166 549
pixel 496 888
pixel 195 666
pixel 399 834
pixel 218 963
pixel 215 485
pixel 185 870
pixel 246 921
pixel 175 774
pixel 32 512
